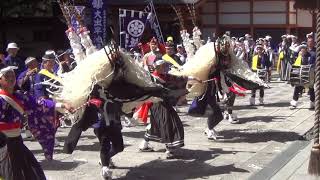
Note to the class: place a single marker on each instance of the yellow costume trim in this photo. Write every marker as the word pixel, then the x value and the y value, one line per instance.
pixel 281 56
pixel 298 61
pixel 50 75
pixel 169 59
pixel 255 62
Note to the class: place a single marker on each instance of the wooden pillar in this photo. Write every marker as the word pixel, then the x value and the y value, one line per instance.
pixel 288 17
pixel 217 17
pixel 314 17
pixel 251 18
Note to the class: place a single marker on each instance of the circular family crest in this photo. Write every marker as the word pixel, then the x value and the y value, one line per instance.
pixel 135 28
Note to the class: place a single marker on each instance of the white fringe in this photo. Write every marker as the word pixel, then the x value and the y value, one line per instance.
pixel 196 36
pixel 203 63
pixel 96 69
pixel 189 48
pixel 198 66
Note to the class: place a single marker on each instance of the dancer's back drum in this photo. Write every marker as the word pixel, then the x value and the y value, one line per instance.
pixel 301 76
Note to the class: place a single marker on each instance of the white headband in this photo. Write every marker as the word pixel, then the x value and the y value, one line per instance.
pixel 159 62
pixel 7 69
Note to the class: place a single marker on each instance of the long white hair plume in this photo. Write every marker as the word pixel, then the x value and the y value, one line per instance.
pixel 96 69
pixel 198 66
pixel 202 63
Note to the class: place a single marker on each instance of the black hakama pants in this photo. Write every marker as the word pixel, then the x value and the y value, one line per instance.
pixel 20 163
pixel 165 126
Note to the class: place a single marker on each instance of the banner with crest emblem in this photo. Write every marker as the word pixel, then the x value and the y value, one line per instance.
pixel 132 25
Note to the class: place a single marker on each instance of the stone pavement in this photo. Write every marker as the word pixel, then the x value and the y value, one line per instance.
pixel 245 149
pixel 297 167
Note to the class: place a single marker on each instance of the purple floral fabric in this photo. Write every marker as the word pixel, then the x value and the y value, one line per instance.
pixel 40 118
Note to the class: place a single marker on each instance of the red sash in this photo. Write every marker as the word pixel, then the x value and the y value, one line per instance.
pixel 9 126
pixel 17 105
pixel 158 75
pixel 15 100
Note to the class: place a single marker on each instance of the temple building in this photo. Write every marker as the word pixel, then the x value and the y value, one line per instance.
pixel 255 17
pixel 41 26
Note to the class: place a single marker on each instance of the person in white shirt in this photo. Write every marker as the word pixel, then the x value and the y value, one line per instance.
pixel 181 53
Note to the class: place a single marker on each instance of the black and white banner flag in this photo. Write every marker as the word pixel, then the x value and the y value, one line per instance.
pixel 132 25
pixel 153 21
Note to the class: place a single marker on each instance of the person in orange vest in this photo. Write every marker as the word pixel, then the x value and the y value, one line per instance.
pixel 307 56
pixel 259 61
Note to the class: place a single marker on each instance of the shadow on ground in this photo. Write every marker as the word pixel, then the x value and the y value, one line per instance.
pixel 92 147
pixel 261 119
pixel 246 107
pixel 237 136
pixel 189 165
pixel 62 138
pixel 134 134
pixel 55 165
pixel 278 104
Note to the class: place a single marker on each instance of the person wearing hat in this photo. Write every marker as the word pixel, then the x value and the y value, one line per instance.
pixel 148 60
pixel 173 61
pixel 294 42
pixel 284 59
pixel 283 43
pixel 170 39
pixel 46 74
pixel 306 56
pixel 165 123
pixel 26 82
pixel 259 61
pixel 310 35
pixel 260 41
pixel 66 63
pixel 181 53
pixel 43 91
pixel 240 50
pixel 12 59
pixel 270 52
pixel 26 79
pixel 182 56
pixel 171 56
pixel 15 108
pixel 248 44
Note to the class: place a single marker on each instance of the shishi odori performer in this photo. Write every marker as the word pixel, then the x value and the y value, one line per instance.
pixel 17 161
pixel 216 58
